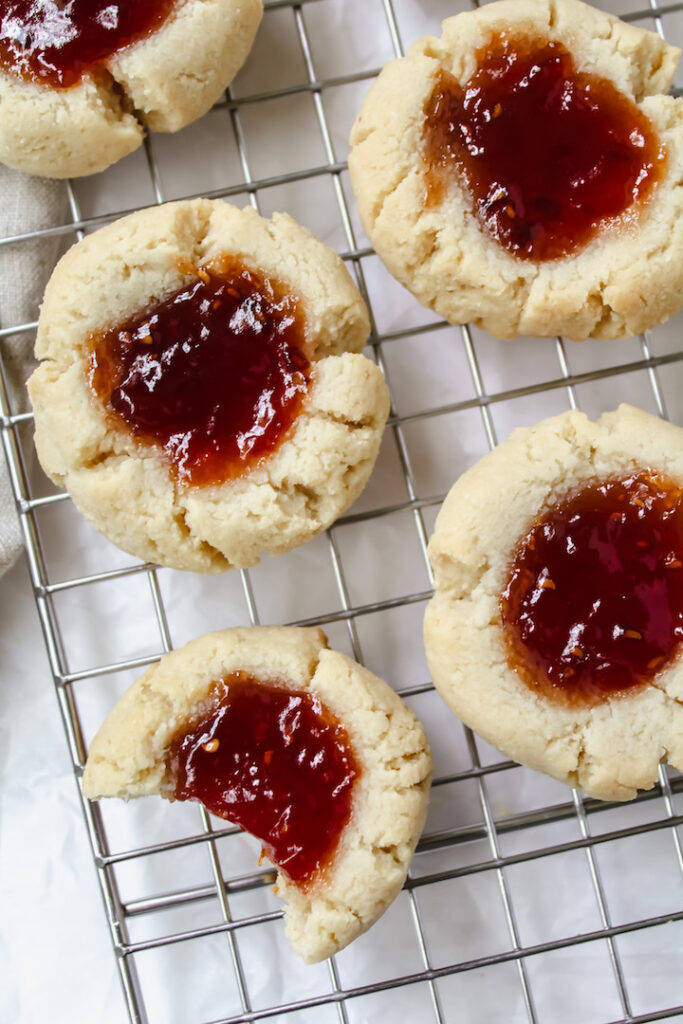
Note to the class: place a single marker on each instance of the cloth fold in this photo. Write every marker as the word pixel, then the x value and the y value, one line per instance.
pixel 26 204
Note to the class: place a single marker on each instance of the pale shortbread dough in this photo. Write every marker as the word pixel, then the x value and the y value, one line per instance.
pixel 610 750
pixel 162 82
pixel 125 488
pixel 624 281
pixel 127 759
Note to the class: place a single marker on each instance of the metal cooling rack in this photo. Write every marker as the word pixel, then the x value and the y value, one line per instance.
pixel 526 902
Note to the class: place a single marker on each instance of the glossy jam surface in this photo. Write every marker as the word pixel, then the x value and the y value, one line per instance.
pixel 594 603
pixel 548 153
pixel 215 374
pixel 57 42
pixel 275 762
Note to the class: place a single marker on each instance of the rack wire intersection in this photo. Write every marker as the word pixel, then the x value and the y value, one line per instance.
pixel 526 903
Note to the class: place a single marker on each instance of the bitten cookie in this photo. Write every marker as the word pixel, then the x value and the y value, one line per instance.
pixel 298 744
pixel 80 82
pixel 202 395
pixel 524 172
pixel 555 631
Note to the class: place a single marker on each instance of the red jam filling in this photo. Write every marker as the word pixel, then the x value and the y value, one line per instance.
pixel 57 43
pixel 548 154
pixel 594 602
pixel 215 374
pixel 275 762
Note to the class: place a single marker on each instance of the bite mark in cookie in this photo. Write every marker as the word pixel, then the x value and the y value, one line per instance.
pixel 348 727
pixel 274 761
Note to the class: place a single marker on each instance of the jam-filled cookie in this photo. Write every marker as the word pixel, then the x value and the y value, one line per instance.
pixel 202 395
pixel 523 172
pixel 79 82
pixel 300 746
pixel 557 626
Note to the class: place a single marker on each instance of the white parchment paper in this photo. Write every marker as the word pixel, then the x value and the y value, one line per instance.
pixel 56 963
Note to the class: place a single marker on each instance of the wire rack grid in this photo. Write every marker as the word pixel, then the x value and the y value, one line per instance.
pixel 526 902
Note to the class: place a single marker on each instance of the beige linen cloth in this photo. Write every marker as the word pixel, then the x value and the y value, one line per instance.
pixel 26 204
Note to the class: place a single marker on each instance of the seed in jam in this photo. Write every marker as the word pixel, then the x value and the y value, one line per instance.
pixel 57 43
pixel 277 763
pixel 548 154
pixel 594 602
pixel 215 373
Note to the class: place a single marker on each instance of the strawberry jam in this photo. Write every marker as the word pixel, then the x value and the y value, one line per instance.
pixel 215 373
pixel 548 154
pixel 275 762
pixel 57 43
pixel 594 602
